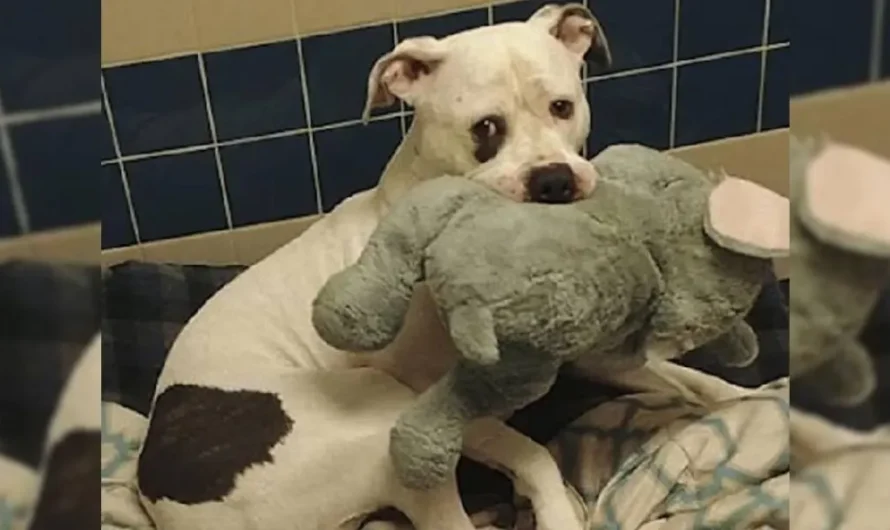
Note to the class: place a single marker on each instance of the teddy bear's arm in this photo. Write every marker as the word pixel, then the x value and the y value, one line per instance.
pixel 736 348
pixel 363 307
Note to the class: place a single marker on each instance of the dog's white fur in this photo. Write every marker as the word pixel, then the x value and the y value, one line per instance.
pixel 256 333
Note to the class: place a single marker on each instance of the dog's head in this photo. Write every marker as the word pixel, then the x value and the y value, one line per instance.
pixel 503 104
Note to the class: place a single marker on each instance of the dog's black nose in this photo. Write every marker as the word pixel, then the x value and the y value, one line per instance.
pixel 554 184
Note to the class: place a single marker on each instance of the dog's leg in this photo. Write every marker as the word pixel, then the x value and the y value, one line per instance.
pixel 534 472
pixel 436 509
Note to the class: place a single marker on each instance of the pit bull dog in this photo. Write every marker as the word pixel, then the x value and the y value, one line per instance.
pixel 257 423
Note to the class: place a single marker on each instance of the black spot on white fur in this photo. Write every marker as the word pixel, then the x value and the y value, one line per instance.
pixel 200 439
pixel 70 495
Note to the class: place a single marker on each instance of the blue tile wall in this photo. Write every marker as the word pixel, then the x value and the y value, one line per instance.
pixel 267 151
pixel 50 116
pixel 176 195
pixel 832 45
pixel 635 108
pixel 708 27
pixel 885 52
pixel 255 90
pixel 336 83
pixel 640 32
pixel 269 180
pixel 717 99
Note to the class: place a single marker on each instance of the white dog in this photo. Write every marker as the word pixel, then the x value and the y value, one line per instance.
pixel 257 424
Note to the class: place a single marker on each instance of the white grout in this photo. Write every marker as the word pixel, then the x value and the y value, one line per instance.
pixel 877 42
pixel 55 113
pixel 249 139
pixel 220 173
pixel 313 155
pixel 675 75
pixel 764 41
pixel 17 195
pixel 686 62
pixel 120 162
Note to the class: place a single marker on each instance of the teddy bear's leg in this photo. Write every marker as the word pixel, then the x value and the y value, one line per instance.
pixel 847 378
pixel 472 330
pixel 673 328
pixel 737 348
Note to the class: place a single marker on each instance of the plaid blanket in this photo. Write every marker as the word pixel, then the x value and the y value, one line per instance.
pixel 48 315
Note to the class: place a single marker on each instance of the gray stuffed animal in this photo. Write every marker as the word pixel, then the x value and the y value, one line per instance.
pixel 840 263
pixel 661 259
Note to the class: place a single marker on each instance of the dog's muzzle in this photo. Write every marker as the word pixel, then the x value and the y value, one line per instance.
pixel 552 184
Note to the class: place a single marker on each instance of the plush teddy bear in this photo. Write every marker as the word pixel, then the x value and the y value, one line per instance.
pixel 840 264
pixel 660 259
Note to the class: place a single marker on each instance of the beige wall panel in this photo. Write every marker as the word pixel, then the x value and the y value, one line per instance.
pixel 136 30
pixel 410 9
pixel 119 255
pixel 229 23
pixel 213 248
pixel 15 248
pixel 859 116
pixel 324 16
pixel 762 158
pixel 76 245
pixel 256 242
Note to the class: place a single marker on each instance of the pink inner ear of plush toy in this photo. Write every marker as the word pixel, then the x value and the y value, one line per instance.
pixel 750 215
pixel 848 189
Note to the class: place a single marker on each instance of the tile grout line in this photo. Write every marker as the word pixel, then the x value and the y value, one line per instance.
pixel 247 140
pixel 115 143
pixel 877 39
pixel 17 194
pixel 221 176
pixel 675 75
pixel 764 42
pixel 402 120
pixel 76 110
pixel 310 131
pixel 686 62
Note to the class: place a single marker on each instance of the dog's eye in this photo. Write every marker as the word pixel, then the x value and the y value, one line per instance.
pixel 488 134
pixel 562 109
pixel 488 127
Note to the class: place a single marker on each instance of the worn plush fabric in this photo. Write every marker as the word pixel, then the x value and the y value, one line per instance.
pixel 647 263
pixel 839 267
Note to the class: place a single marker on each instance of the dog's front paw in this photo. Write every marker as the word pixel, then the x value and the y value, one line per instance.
pixel 424 458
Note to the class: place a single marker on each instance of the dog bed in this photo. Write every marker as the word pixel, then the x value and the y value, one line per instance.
pixel 146 305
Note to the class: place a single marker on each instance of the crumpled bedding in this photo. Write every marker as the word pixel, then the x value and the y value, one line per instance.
pixel 648 461
pixel 640 461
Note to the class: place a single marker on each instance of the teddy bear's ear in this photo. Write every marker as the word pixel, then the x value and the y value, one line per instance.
pixel 845 200
pixel 749 219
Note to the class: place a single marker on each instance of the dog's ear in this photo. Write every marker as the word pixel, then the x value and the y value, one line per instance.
pixel 403 72
pixel 576 27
